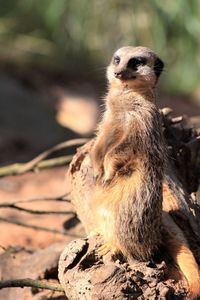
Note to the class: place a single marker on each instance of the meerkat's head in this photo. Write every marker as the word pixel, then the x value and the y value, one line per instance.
pixel 134 67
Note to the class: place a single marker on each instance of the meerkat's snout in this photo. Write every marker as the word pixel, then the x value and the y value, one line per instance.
pixel 128 70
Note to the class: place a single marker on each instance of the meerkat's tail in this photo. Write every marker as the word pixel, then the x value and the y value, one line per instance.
pixel 187 264
pixel 179 250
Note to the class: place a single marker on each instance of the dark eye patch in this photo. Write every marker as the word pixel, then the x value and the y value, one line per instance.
pixel 158 67
pixel 116 60
pixel 137 61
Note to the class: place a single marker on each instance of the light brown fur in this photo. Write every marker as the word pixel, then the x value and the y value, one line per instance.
pixel 177 244
pixel 128 161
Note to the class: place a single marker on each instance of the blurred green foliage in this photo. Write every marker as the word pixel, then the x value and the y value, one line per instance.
pixel 80 35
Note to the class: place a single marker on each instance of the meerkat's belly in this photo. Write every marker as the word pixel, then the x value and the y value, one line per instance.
pixel 106 204
pixel 105 221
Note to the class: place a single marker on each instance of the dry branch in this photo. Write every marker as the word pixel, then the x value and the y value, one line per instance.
pixel 15 169
pixel 34 211
pixel 35 227
pixel 36 264
pixel 27 282
pixel 34 162
pixel 39 163
pixel 45 198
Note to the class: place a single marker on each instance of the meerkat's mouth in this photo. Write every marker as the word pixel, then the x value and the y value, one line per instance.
pixel 125 75
pixel 128 78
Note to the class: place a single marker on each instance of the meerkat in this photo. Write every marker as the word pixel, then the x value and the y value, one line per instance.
pixel 128 159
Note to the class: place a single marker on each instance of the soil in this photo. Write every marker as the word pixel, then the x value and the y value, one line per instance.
pixel 35 185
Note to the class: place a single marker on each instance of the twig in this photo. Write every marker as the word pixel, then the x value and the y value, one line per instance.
pixel 30 283
pixel 39 162
pixel 13 204
pixel 33 211
pixel 35 227
pixel 31 164
pixel 46 198
pixel 50 163
pixel 15 169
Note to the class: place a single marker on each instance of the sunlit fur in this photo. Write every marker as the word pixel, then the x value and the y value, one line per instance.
pixel 178 246
pixel 128 161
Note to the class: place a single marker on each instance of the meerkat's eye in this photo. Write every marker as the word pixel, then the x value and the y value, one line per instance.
pixel 136 61
pixel 116 60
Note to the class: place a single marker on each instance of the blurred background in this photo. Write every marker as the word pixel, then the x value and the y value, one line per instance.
pixel 53 55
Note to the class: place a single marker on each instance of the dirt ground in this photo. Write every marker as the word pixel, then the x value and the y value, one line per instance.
pixel 35 185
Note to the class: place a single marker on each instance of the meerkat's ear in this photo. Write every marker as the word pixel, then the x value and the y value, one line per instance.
pixel 158 67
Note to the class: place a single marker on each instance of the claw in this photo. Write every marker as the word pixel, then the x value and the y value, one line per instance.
pixel 95 178
pixel 107 247
pixel 106 182
pixel 104 249
pixel 98 176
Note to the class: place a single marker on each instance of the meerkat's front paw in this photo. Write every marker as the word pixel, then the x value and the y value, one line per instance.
pixel 103 178
pixel 98 173
pixel 108 176
pixel 107 247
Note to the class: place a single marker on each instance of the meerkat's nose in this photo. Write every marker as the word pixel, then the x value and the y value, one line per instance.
pixel 118 74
